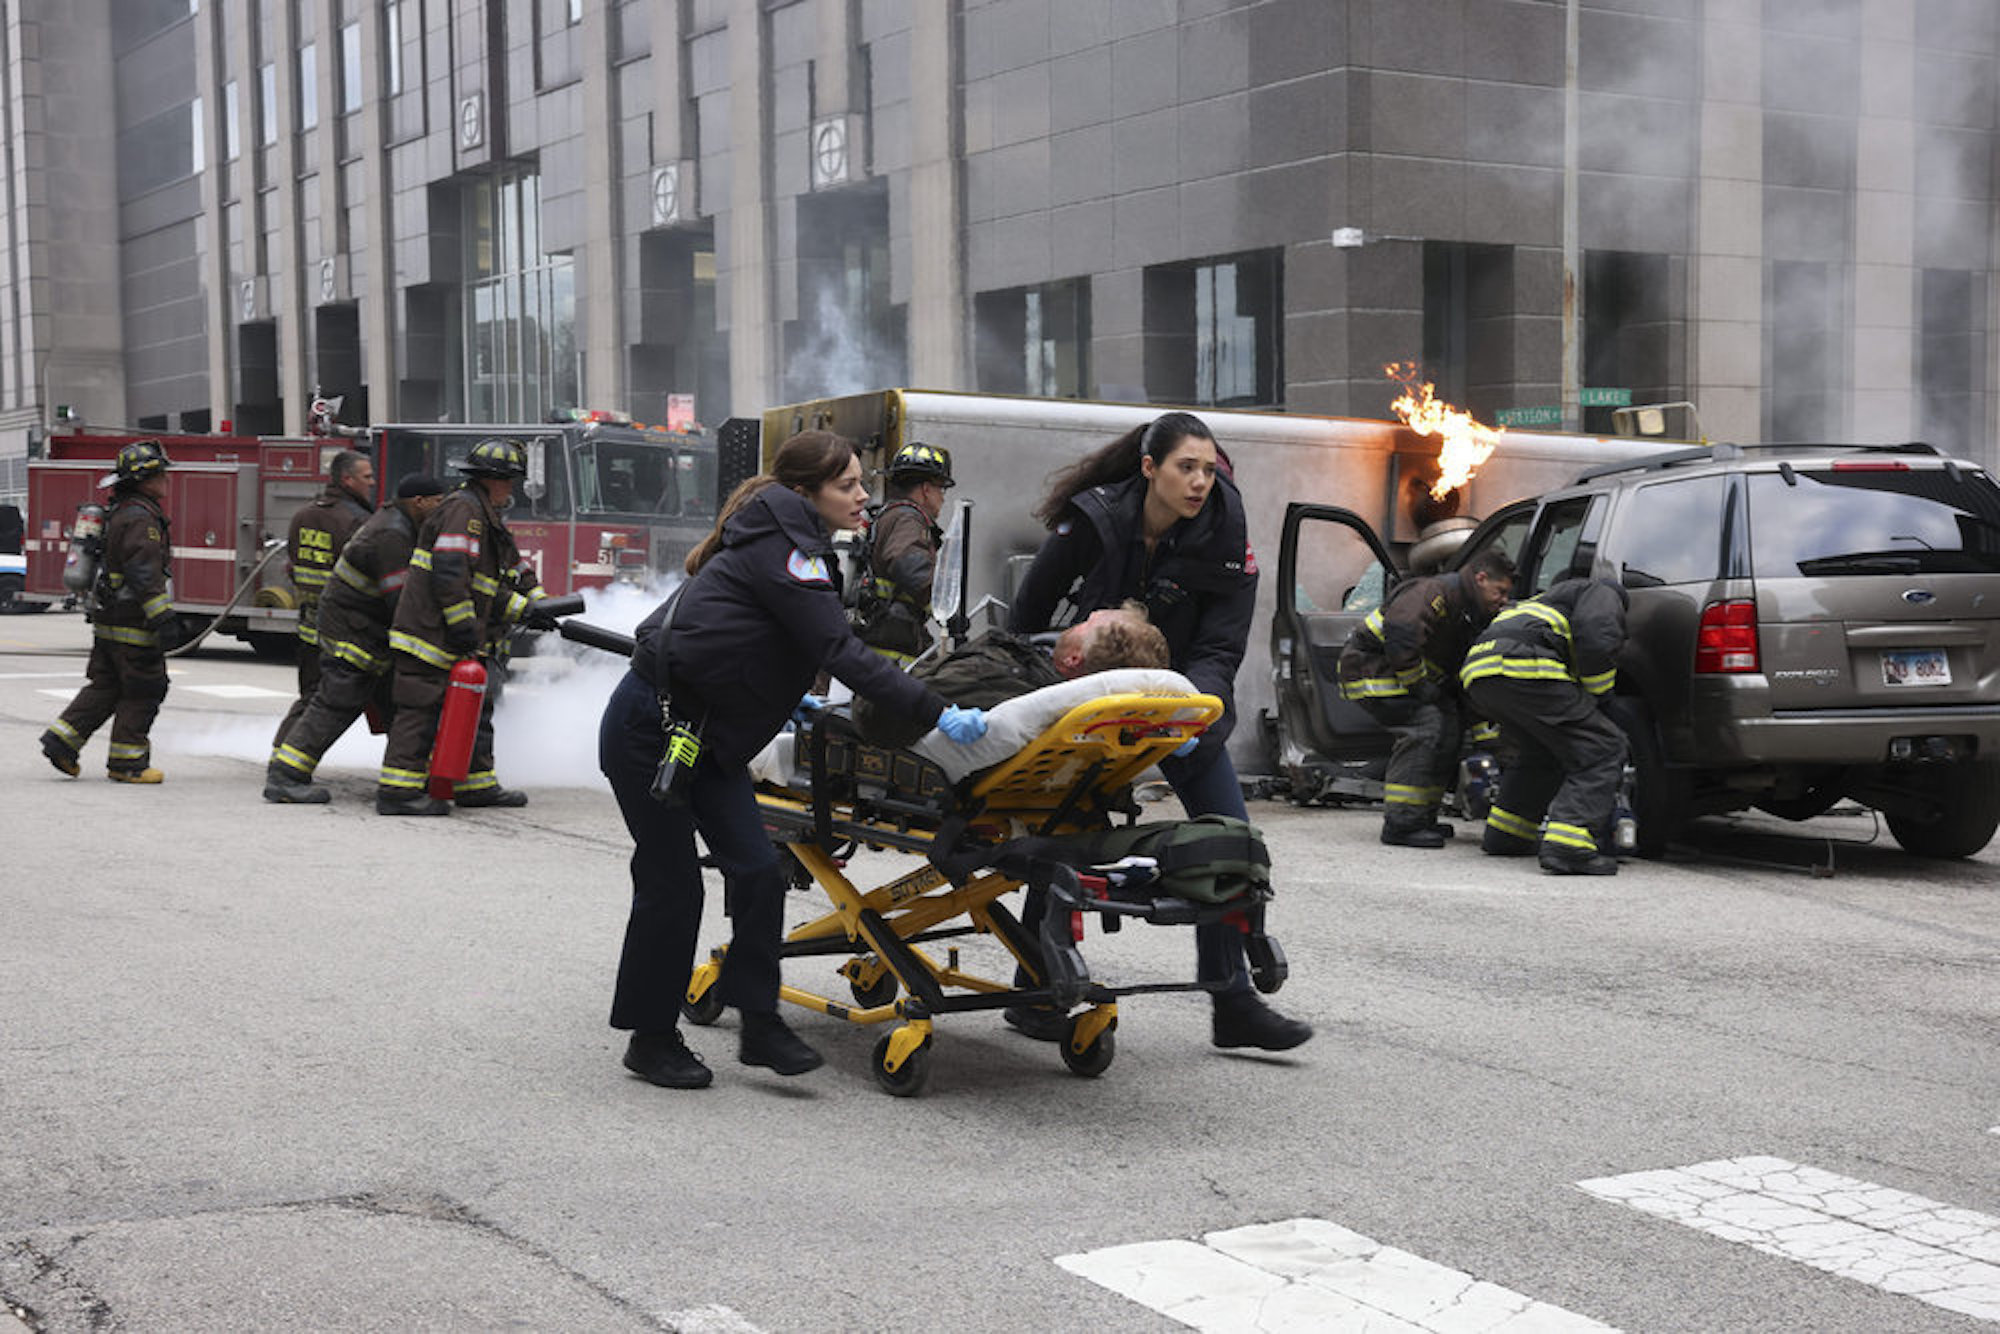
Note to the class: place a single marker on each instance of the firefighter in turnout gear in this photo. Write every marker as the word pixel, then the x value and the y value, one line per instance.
pixel 1401 666
pixel 903 539
pixel 466 578
pixel 355 613
pixel 133 625
pixel 1541 671
pixel 319 530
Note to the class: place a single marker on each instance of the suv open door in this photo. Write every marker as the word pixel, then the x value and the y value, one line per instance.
pixel 1332 571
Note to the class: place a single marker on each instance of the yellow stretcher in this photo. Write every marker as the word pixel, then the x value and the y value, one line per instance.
pixel 981 838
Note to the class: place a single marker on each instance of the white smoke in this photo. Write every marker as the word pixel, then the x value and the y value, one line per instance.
pixel 837 355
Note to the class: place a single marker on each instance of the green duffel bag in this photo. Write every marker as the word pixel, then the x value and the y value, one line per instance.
pixel 1207 859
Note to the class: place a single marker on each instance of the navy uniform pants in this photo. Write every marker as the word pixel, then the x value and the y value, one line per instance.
pixel 124 684
pixel 667 890
pixel 1570 756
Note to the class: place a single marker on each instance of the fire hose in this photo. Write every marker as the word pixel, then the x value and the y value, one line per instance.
pixel 271 548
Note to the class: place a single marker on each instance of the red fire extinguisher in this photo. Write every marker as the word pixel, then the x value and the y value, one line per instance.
pixel 458 724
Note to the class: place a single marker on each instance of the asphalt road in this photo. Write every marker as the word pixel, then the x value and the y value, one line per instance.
pixel 267 1067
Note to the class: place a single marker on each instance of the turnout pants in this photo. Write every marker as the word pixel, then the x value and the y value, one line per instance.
pixel 309 675
pixel 125 684
pixel 1424 758
pixel 344 692
pixel 1570 757
pixel 667 890
pixel 418 696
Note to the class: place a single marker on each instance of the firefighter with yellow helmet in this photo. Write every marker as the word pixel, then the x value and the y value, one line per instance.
pixel 133 625
pixel 903 542
pixel 468 586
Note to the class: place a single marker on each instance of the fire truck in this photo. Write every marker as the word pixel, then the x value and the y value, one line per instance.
pixel 604 499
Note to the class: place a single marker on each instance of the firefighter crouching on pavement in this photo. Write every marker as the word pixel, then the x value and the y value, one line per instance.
pixel 320 530
pixel 1541 671
pixel 728 657
pixel 133 625
pixel 355 613
pixel 1401 666
pixel 466 578
pixel 902 553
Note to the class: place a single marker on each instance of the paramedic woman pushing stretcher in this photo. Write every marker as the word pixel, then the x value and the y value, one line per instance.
pixel 758 619
pixel 1150 516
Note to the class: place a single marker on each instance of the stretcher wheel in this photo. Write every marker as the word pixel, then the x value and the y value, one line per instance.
pixel 879 992
pixel 909 1080
pixel 1268 969
pixel 1093 1060
pixel 706 1007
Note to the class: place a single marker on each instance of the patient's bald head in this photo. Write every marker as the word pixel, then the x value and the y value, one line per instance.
pixel 1114 637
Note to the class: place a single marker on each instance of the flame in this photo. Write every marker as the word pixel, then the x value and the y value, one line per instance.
pixel 1468 443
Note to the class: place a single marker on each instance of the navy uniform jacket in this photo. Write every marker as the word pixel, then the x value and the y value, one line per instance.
pixel 754 627
pixel 1199 585
pixel 1570 633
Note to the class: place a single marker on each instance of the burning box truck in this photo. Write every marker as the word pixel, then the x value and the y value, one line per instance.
pixel 603 500
pixel 1319 491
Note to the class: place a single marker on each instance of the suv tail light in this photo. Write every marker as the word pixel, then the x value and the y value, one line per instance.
pixel 1727 638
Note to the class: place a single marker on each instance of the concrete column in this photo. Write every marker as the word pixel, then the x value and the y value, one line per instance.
pixel 286 274
pixel 940 325
pixel 752 352
pixel 1885 278
pixel 211 72
pixel 375 289
pixel 604 191
pixel 1727 316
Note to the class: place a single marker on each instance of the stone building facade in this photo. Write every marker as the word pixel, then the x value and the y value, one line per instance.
pixel 1781 211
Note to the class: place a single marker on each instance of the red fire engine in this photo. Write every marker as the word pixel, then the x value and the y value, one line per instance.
pixel 603 499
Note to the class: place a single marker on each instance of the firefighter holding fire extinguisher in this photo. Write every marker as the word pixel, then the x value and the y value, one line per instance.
pixel 466 579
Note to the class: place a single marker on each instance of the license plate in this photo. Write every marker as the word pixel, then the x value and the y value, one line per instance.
pixel 1915 667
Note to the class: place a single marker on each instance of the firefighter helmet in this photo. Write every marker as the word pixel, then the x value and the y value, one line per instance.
pixel 918 462
pixel 496 456
pixel 136 462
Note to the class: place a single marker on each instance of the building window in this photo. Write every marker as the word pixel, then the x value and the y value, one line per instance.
pixel 267 105
pixel 197 139
pixel 1800 337
pixel 350 68
pixel 1469 331
pixel 308 86
pixel 1628 331
pixel 392 47
pixel 521 354
pixel 1035 340
pixel 1215 333
pixel 575 12
pixel 1951 342
pixel 232 136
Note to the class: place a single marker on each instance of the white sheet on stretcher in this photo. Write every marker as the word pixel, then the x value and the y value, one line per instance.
pixel 1010 725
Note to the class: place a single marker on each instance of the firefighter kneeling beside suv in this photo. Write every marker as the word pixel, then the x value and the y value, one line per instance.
pixel 1541 671
pixel 468 587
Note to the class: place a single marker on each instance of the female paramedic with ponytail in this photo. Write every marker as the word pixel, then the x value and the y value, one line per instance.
pixel 1151 516
pixel 734 650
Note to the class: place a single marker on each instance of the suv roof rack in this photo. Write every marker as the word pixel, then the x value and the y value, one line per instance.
pixel 1682 458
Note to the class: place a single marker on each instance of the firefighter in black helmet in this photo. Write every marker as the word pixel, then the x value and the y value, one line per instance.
pixel 903 539
pixel 133 625
pixel 469 585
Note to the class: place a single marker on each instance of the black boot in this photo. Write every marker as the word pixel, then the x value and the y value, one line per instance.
pixel 659 1056
pixel 1402 832
pixel 492 796
pixel 1037 1022
pixel 1499 843
pixel 285 788
pixel 768 1042
pixel 60 755
pixel 412 803
pixel 1559 860
pixel 1242 1019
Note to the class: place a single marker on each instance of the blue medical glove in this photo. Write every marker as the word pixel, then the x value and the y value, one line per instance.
pixel 964 726
pixel 806 708
pixel 1186 747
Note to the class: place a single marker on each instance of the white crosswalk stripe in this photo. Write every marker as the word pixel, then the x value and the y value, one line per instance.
pixel 239 692
pixel 1897 1241
pixel 1306 1274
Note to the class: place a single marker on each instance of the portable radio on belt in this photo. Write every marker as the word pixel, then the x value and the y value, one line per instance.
pixel 682 750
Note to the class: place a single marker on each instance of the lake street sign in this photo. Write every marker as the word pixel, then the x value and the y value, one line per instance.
pixel 1607 398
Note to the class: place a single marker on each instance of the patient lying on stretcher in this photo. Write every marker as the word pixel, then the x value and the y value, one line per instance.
pixel 996 669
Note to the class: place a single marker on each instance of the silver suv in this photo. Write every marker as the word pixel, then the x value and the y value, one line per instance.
pixel 1808 622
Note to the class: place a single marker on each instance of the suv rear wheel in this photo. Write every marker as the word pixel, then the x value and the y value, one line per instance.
pixel 1968 814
